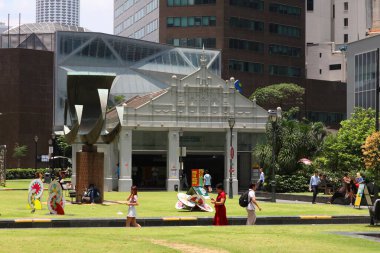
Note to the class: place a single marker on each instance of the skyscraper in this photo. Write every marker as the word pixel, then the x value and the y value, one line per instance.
pixel 58 11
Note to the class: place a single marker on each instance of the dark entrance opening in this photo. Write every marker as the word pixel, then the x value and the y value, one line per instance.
pixel 213 163
pixel 149 171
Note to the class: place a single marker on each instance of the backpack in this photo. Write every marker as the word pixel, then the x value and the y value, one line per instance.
pixel 243 200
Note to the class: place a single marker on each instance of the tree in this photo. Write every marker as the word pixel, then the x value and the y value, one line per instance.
pixel 343 151
pixel 285 95
pixel 371 154
pixel 64 148
pixel 119 99
pixel 294 140
pixel 19 152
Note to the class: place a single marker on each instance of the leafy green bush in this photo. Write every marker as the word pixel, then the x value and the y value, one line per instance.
pixel 23 173
pixel 292 183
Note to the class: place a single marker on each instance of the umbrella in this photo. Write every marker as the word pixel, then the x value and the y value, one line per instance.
pixel 305 161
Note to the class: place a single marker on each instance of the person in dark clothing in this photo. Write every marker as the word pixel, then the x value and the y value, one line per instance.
pixel 91 195
pixel 340 193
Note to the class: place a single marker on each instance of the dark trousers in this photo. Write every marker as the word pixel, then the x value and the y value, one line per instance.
pixel 315 192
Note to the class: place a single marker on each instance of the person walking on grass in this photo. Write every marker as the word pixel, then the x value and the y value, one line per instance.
pixel 207 181
pixel 132 203
pixel 251 209
pixel 313 185
pixel 220 208
pixel 261 181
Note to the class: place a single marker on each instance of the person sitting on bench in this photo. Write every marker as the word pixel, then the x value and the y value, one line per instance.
pixel 91 195
pixel 340 193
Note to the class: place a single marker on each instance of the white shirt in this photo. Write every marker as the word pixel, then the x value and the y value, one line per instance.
pixel 251 195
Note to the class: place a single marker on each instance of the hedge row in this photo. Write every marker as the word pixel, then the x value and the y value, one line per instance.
pixel 292 183
pixel 24 173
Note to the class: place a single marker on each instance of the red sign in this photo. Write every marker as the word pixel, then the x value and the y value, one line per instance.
pixel 232 170
pixel 232 153
pixel 197 177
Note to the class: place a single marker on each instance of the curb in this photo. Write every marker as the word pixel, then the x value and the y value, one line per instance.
pixel 180 221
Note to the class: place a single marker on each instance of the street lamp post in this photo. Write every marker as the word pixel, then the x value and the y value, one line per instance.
pixel 231 123
pixel 274 116
pixel 36 153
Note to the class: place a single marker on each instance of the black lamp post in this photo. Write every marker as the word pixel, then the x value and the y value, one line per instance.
pixel 274 116
pixel 35 157
pixel 231 123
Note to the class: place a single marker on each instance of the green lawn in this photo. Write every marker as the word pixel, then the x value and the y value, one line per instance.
pixel 17 184
pixel 13 204
pixel 190 239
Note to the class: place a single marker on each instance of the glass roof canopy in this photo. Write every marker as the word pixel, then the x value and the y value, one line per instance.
pixel 44 28
pixel 141 67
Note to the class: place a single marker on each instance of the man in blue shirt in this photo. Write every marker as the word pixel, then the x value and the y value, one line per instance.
pixel 313 186
pixel 207 181
pixel 261 181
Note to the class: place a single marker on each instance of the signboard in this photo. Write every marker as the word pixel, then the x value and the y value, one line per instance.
pixel 232 153
pixel 359 195
pixel 3 156
pixel 363 190
pixel 45 158
pixel 197 177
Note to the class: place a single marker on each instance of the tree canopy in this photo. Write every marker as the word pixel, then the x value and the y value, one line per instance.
pixel 285 95
pixel 343 151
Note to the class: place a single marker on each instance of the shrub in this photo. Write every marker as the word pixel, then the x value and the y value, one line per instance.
pixel 23 173
pixel 292 183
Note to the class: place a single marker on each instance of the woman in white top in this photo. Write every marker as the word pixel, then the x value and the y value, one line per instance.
pixel 132 203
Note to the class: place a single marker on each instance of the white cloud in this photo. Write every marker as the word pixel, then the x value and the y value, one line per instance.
pixel 96 15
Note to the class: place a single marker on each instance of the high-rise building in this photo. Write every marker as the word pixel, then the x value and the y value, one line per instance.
pixel 58 11
pixel 262 42
pixel 330 25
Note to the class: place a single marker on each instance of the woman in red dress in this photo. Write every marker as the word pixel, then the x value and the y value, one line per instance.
pixel 220 209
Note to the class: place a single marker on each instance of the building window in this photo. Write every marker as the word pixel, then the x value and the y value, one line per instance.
pixel 333 14
pixel 345 21
pixel 282 50
pixel 335 66
pixel 254 4
pixel 285 30
pixel 189 2
pixel 251 67
pixel 191 21
pixel 310 5
pixel 345 38
pixel 320 71
pixel 246 45
pixel 365 79
pixel 285 9
pixel 320 55
pixel 275 70
pixel 346 6
pixel 193 42
pixel 247 24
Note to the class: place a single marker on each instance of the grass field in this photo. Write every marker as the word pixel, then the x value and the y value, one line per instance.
pixel 268 239
pixel 13 204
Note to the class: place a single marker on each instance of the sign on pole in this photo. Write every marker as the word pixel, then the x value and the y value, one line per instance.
pixel 232 153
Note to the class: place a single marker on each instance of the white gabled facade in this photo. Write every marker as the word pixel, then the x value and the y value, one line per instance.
pixel 197 106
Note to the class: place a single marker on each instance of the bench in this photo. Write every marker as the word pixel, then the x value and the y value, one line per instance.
pixel 325 187
pixel 374 212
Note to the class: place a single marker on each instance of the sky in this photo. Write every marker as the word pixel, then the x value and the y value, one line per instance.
pixel 96 15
